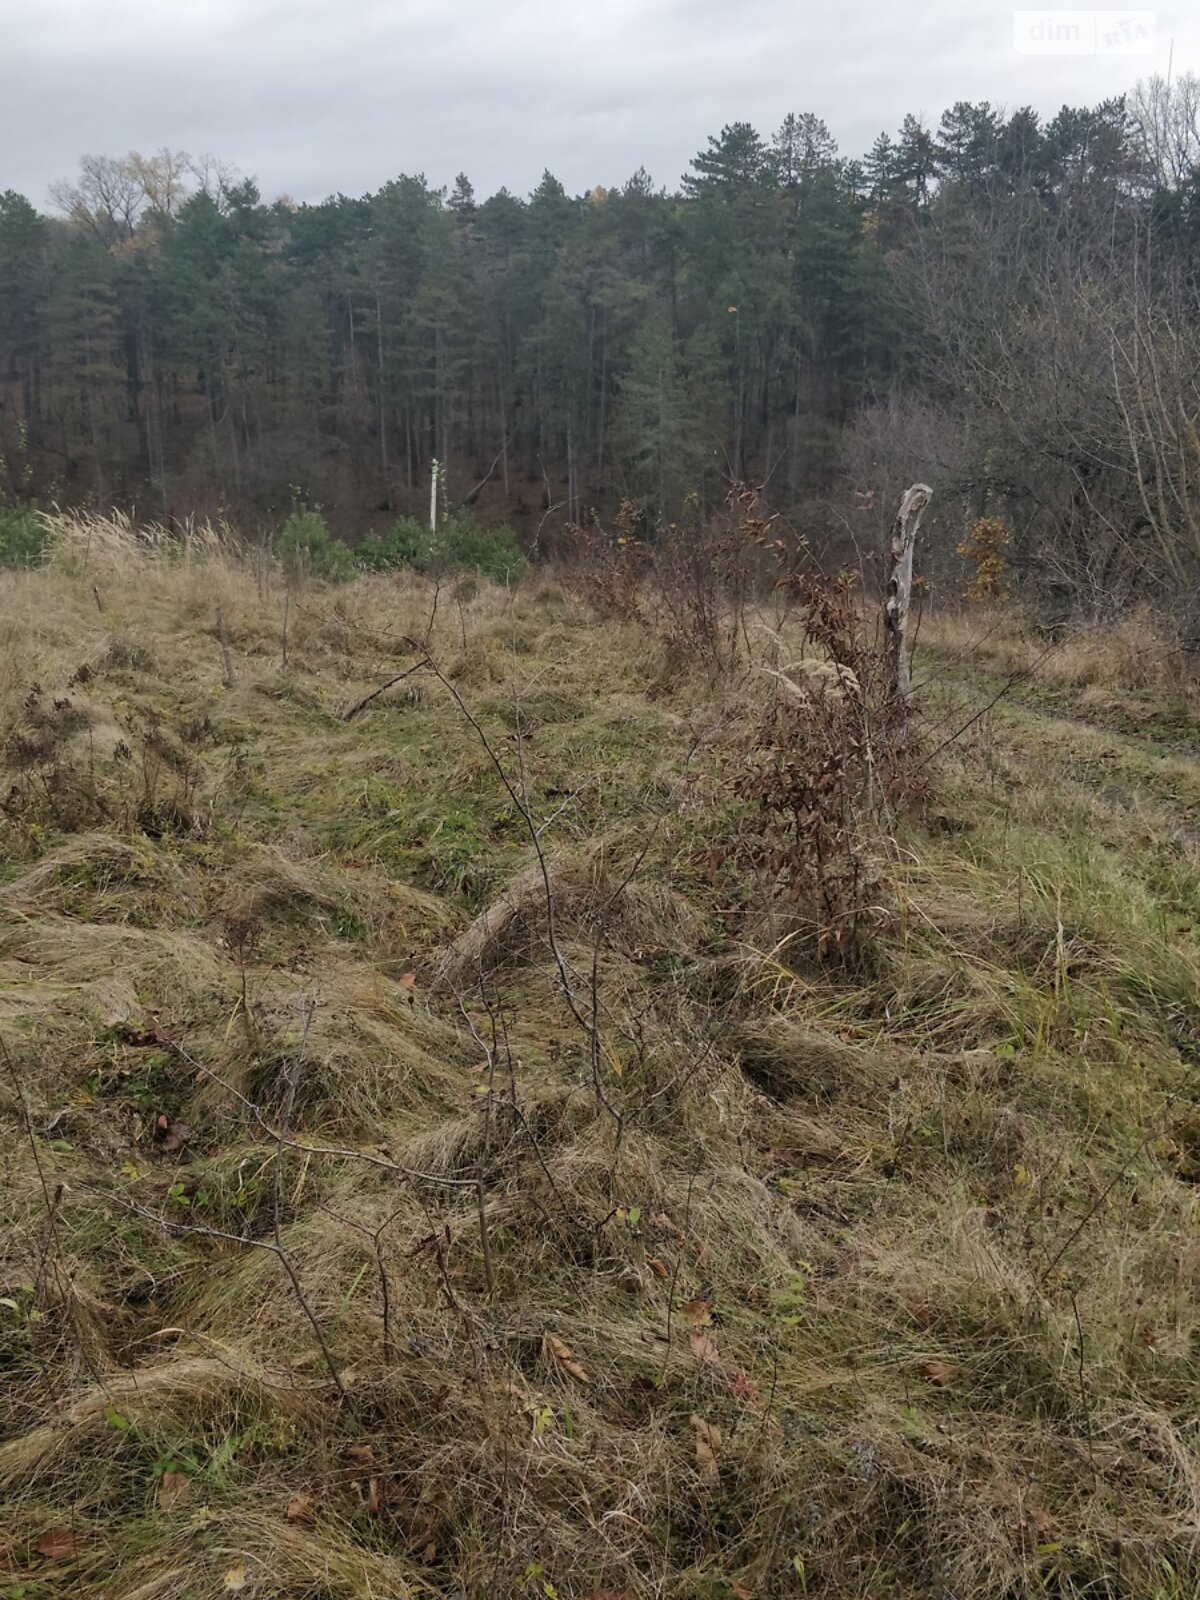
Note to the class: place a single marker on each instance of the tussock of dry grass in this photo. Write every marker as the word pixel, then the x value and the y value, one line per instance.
pixel 768 1279
pixel 590 896
pixel 1105 666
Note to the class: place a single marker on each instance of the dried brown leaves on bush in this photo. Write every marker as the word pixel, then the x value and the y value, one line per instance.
pixel 704 574
pixel 688 582
pixel 607 570
pixel 825 766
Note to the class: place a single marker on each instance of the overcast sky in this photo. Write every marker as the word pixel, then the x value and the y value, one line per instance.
pixel 315 96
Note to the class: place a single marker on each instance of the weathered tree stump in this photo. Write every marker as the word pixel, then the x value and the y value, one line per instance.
pixel 899 589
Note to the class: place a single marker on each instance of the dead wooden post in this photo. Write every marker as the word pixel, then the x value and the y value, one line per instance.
pixel 227 677
pixel 899 588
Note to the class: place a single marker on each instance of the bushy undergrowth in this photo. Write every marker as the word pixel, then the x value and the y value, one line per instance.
pixel 306 547
pixel 22 537
pixel 458 544
pixel 437 1160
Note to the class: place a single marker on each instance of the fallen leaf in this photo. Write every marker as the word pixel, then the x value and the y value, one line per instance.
pixel 302 1508
pixel 564 1355
pixel 174 1490
pixel 697 1313
pixel 739 1590
pixel 235 1579
pixel 361 1454
pixel 56 1544
pixel 1037 1527
pixel 940 1373
pixel 170 1137
pixel 704 1349
pixel 708 1442
pixel 408 981
pixel 741 1387
pixel 657 1267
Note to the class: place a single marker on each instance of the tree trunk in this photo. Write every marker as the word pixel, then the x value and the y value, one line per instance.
pixel 383 449
pixel 899 588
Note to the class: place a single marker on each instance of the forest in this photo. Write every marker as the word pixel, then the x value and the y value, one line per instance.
pixel 1004 305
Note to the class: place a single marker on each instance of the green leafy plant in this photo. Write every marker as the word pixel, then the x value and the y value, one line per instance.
pixel 22 537
pixel 405 544
pixel 306 547
pixel 460 543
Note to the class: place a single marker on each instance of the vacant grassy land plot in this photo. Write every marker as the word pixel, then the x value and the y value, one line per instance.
pixel 569 1124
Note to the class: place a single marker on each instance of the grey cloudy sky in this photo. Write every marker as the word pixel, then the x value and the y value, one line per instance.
pixel 315 96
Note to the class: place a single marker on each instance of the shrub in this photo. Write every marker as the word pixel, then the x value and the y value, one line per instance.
pixel 305 546
pixel 407 544
pixel 22 537
pixel 459 542
pixel 830 759
pixel 985 549
pixel 492 552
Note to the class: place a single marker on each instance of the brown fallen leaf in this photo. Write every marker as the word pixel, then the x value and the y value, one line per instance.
pixel 703 1348
pixel 565 1357
pixel 235 1579
pixel 174 1491
pixel 741 1387
pixel 657 1267
pixel 1037 1526
pixel 664 1224
pixel 361 1454
pixel 302 1508
pixel 438 1400
pixel 56 1544
pixel 708 1443
pixel 170 1137
pixel 940 1373
pixel 408 981
pixel 697 1313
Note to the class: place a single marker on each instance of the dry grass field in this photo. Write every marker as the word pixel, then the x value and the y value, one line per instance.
pixel 440 1158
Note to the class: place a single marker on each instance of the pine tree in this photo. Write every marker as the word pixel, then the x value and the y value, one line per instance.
pixel 736 160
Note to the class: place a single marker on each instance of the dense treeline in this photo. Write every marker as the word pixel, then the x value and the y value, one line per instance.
pixel 1004 305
